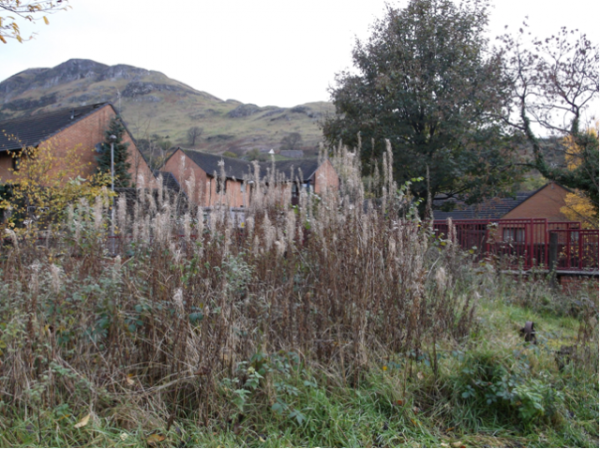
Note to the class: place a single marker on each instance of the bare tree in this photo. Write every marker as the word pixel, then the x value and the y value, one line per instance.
pixel 13 11
pixel 553 83
pixel 291 142
pixel 194 134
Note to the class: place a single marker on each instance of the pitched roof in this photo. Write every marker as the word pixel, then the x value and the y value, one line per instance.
pixel 234 168
pixel 239 169
pixel 292 169
pixel 492 209
pixel 169 181
pixel 31 131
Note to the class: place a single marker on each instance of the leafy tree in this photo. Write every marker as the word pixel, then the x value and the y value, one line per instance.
pixel 230 154
pixel 122 175
pixel 578 207
pixel 426 81
pixel 44 185
pixel 156 149
pixel 256 155
pixel 161 142
pixel 553 82
pixel 29 10
pixel 291 142
pixel 194 134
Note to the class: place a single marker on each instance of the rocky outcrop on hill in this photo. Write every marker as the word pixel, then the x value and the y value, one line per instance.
pixel 25 104
pixel 243 110
pixel 122 71
pixel 72 70
pixel 157 109
pixel 137 89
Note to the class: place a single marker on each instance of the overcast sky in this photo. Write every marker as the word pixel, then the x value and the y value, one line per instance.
pixel 267 52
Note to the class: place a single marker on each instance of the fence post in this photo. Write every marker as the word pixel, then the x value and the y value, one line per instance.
pixel 553 257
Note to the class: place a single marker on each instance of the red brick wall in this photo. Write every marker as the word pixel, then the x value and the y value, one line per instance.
pixel 182 168
pixel 206 186
pixel 325 178
pixel 84 135
pixel 544 204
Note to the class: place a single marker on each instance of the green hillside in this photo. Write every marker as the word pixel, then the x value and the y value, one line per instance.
pixel 152 104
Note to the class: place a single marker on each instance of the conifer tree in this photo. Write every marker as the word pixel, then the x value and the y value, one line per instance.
pixel 122 175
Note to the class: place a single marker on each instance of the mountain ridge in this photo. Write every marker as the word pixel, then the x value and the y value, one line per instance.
pixel 157 107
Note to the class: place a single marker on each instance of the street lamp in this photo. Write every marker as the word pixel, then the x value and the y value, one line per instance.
pixel 112 139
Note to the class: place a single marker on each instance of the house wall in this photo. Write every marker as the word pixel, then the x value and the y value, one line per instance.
pixel 84 135
pixel 544 204
pixel 184 169
pixel 5 166
pixel 325 178
pixel 205 194
pixel 233 197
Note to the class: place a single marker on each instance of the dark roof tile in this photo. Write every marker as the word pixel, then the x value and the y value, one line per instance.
pixel 31 131
pixel 239 169
pixel 292 169
pixel 492 209
pixel 234 168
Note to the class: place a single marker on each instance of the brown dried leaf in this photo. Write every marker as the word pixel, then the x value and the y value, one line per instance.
pixel 84 421
pixel 155 438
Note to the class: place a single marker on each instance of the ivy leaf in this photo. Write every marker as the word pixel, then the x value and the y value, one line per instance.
pixel 196 317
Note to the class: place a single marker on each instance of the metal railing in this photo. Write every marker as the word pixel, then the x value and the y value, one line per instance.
pixel 525 243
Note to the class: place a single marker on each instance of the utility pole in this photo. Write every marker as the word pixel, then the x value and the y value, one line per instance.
pixel 112 187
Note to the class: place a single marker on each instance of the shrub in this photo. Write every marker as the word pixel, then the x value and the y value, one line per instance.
pixel 178 302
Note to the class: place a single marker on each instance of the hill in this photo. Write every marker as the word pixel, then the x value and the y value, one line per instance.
pixel 160 109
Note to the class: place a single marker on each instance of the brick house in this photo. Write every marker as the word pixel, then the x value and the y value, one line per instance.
pixel 524 217
pixel 82 128
pixel 205 172
pixel 545 202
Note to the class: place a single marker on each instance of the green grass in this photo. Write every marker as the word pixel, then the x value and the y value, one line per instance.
pixel 380 412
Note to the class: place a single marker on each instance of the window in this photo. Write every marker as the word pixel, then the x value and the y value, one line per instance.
pixel 513 235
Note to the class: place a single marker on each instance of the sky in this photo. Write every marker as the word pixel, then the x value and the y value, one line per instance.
pixel 266 52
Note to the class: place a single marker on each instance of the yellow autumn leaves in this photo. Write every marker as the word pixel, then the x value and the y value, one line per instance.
pixel 44 183
pixel 25 10
pixel 578 206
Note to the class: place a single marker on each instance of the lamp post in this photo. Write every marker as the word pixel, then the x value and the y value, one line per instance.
pixel 112 139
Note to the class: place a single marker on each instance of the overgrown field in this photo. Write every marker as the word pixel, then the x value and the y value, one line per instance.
pixel 337 323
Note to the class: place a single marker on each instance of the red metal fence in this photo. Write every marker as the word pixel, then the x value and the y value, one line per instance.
pixel 525 243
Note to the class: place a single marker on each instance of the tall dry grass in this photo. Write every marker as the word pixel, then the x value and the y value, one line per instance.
pixel 158 315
